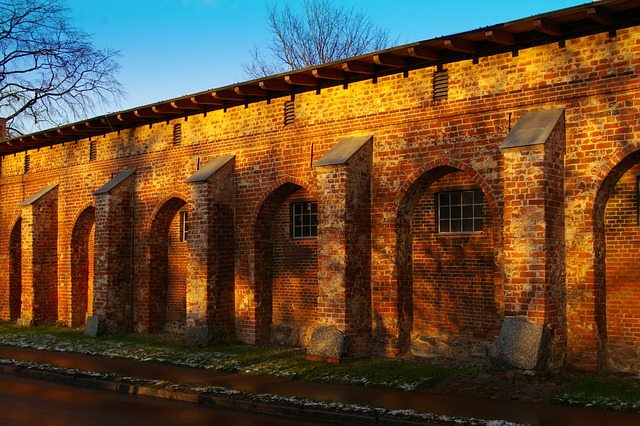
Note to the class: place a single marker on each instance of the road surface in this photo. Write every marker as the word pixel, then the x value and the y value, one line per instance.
pixel 26 401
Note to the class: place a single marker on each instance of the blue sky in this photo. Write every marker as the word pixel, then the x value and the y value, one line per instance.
pixel 172 48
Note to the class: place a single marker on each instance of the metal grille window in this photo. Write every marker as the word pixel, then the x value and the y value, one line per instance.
pixel 460 211
pixel 93 151
pixel 304 220
pixel 184 226
pixel 289 113
pixel 177 134
pixel 440 85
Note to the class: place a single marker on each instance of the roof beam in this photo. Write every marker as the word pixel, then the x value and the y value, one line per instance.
pixel 67 131
pixel 301 80
pixel 247 90
pixel 206 99
pixel 275 85
pixel 600 15
pixel 165 109
pixel 227 95
pixel 547 26
pixel 390 60
pixel 424 52
pixel 329 74
pixel 125 117
pixel 460 45
pixel 500 37
pixel 358 67
pixel 185 104
pixel 147 113
pixel 78 129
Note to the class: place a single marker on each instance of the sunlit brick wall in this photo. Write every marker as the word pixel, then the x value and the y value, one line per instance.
pixel 595 79
pixel 454 293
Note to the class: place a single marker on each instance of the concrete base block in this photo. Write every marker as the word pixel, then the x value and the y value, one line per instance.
pixel 202 336
pixel 25 322
pixel 95 326
pixel 521 345
pixel 327 343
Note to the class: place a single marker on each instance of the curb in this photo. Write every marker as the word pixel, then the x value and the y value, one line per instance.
pixel 337 414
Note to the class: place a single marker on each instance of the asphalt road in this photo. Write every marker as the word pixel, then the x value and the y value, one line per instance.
pixel 26 401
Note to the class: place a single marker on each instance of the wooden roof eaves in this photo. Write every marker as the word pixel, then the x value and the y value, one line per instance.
pixel 556 26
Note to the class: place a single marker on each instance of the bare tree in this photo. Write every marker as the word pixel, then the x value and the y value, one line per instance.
pixel 323 33
pixel 49 70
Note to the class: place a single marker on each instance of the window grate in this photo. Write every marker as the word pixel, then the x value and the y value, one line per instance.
pixel 460 211
pixel 93 151
pixel 289 112
pixel 27 163
pixel 304 220
pixel 440 85
pixel 177 134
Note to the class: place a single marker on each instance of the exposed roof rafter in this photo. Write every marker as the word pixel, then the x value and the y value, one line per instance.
pixel 499 36
pixel 275 85
pixel 460 45
pixel 301 80
pixel 605 16
pixel 359 67
pixel 548 26
pixel 599 15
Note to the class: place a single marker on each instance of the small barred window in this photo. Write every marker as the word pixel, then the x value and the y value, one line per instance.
pixel 460 211
pixel 304 220
pixel 177 134
pixel 93 151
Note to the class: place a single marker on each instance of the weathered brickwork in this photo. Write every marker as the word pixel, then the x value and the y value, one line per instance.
pixel 623 274
pixel 558 246
pixel 295 278
pixel 454 289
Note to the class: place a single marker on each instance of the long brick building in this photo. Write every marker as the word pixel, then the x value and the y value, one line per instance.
pixel 414 199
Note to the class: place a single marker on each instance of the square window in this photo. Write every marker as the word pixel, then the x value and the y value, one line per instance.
pixel 304 220
pixel 460 211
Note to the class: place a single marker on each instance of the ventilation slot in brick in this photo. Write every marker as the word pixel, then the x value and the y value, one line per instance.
pixel 289 113
pixel 440 85
pixel 93 151
pixel 27 162
pixel 177 134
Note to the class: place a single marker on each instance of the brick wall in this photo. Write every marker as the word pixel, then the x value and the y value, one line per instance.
pixel 78 297
pixel 454 293
pixel 14 294
pixel 176 280
pixel 622 273
pixel 295 278
pixel 367 284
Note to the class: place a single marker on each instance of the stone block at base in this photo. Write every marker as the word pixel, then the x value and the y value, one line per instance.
pixel 25 322
pixel 327 343
pixel 521 345
pixel 95 326
pixel 200 337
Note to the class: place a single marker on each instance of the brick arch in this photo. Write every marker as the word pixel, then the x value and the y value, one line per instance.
pixel 271 190
pixel 163 203
pixel 609 291
pixel 410 195
pixel 82 239
pixel 431 170
pixel 15 270
pixel 158 285
pixel 266 256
